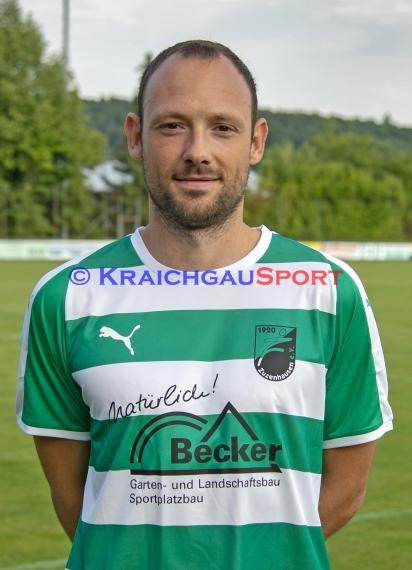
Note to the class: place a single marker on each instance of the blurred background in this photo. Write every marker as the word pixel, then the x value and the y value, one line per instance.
pixel 334 80
pixel 335 84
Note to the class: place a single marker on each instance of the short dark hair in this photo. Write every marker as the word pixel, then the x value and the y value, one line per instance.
pixel 202 49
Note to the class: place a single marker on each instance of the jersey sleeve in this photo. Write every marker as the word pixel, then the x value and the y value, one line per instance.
pixel 49 402
pixel 357 409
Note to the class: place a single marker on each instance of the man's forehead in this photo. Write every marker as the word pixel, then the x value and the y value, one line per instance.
pixel 197 76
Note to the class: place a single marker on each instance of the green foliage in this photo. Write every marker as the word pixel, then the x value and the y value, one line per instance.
pixel 299 128
pixel 108 115
pixel 336 187
pixel 44 141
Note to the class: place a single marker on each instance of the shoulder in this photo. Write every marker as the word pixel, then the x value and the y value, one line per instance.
pixel 331 283
pixel 54 284
pixel 282 249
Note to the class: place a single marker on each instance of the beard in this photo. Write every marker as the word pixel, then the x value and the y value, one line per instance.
pixel 190 214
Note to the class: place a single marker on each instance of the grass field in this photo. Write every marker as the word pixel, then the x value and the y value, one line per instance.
pixel 380 536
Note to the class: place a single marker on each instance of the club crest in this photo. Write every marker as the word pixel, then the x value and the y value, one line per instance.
pixel 275 351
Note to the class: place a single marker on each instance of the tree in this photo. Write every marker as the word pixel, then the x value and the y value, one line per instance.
pixel 338 187
pixel 44 141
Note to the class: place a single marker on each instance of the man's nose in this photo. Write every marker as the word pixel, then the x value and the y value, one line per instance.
pixel 197 150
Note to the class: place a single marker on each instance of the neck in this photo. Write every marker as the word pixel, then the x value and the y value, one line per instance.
pixel 199 250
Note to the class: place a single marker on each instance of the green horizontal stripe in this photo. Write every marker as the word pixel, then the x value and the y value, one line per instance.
pixel 194 335
pixel 300 438
pixel 249 547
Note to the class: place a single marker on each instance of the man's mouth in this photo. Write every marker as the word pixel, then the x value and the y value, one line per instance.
pixel 196 182
pixel 195 178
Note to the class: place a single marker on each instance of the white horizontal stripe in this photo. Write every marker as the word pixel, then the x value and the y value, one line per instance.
pixel 138 384
pixel 97 299
pixel 109 500
pixel 40 565
pixel 45 432
pixel 358 439
pixel 395 513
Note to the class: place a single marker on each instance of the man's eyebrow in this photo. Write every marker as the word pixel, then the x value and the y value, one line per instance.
pixel 216 117
pixel 226 118
pixel 168 116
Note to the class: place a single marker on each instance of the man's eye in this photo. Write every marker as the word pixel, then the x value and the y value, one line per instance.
pixel 224 129
pixel 170 126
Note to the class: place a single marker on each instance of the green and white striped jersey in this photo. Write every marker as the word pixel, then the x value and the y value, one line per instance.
pixel 208 406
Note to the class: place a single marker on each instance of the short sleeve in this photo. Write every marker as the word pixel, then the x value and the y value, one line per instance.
pixel 357 409
pixel 49 402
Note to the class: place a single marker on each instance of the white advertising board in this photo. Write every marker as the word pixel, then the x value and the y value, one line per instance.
pixel 15 249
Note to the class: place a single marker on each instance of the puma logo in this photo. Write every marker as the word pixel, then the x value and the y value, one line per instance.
pixel 107 332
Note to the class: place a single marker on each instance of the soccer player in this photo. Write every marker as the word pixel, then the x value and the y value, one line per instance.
pixel 202 394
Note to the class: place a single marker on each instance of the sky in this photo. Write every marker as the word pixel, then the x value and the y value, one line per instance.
pixel 351 58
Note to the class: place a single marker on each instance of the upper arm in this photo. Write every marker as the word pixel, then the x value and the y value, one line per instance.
pixel 348 466
pixel 343 486
pixel 64 463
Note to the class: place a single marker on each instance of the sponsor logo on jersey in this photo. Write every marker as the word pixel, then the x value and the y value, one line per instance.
pixel 275 351
pixel 181 443
pixel 107 332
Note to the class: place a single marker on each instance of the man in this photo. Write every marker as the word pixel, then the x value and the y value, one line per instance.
pixel 191 404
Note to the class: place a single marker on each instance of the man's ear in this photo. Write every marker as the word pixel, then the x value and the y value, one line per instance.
pixel 257 148
pixel 134 136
